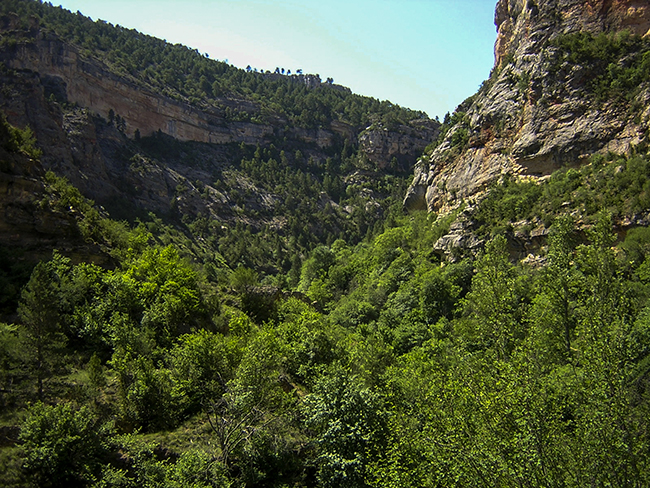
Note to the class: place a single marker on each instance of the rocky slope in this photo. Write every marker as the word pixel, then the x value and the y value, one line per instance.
pixel 28 223
pixel 43 73
pixel 541 109
pixel 88 118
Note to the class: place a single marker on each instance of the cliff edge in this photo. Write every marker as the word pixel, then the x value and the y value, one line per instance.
pixel 568 81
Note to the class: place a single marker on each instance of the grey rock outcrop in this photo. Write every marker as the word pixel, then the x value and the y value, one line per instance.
pixel 386 147
pixel 527 119
pixel 28 223
pixel 73 99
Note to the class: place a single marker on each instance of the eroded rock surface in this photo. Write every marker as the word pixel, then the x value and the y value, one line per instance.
pixel 86 116
pixel 528 119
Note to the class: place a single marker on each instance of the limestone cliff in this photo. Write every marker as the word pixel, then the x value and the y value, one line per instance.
pixel 87 116
pixel 88 83
pixel 538 111
pixel 81 79
pixel 387 147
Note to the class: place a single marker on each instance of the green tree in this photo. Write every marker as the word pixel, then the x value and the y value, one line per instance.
pixel 96 373
pixel 167 292
pixel 349 420
pixel 11 352
pixel 39 314
pixel 149 396
pixel 62 446
pixel 492 304
pixel 202 364
pixel 553 313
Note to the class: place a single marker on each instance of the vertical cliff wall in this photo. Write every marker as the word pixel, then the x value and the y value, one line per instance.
pixel 89 83
pixel 538 110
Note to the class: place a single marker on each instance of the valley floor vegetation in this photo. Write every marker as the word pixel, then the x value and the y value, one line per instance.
pixel 361 355
pixel 381 367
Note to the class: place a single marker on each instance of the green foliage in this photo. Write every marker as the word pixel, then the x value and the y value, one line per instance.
pixel 63 445
pixel 459 123
pixel 168 291
pixel 116 237
pixel 243 278
pixel 148 397
pixel 636 245
pixel 553 313
pixel 187 75
pixel 145 468
pixel 14 274
pixel 309 342
pixel 615 184
pixel 509 201
pixel 415 374
pixel 38 311
pixel 96 372
pixel 11 353
pixel 202 364
pixel 384 367
pixel 493 304
pixel 13 139
pixel 617 63
pixel 350 423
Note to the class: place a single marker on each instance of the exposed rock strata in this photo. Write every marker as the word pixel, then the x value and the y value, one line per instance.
pixel 385 147
pixel 68 74
pixel 29 224
pixel 526 120
pixel 68 96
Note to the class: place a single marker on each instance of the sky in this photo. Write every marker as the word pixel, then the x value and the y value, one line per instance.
pixel 426 55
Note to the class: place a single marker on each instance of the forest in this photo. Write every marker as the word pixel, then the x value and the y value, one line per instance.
pixel 357 356
pixel 188 75
pixel 283 198
pixel 383 366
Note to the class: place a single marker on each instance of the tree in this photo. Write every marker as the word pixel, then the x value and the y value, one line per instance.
pixel 39 313
pixel 243 279
pixel 202 363
pixel 492 302
pixel 10 355
pixel 553 314
pixel 149 396
pixel 62 445
pixel 350 423
pixel 167 291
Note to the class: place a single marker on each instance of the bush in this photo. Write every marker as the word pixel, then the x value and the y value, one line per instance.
pixel 62 445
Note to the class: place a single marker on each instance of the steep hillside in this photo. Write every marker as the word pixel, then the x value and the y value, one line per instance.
pixel 139 126
pixel 321 337
pixel 570 80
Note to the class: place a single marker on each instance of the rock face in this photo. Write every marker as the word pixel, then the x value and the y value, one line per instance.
pixel 386 147
pixel 530 118
pixel 80 79
pixel 87 82
pixel 29 224
pixel 86 117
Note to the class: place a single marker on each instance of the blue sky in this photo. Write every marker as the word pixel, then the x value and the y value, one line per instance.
pixel 423 54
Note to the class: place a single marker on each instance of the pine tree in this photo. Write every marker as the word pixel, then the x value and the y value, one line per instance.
pixel 39 313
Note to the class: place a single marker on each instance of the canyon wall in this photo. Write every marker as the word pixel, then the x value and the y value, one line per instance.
pixel 79 78
pixel 89 83
pixel 528 118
